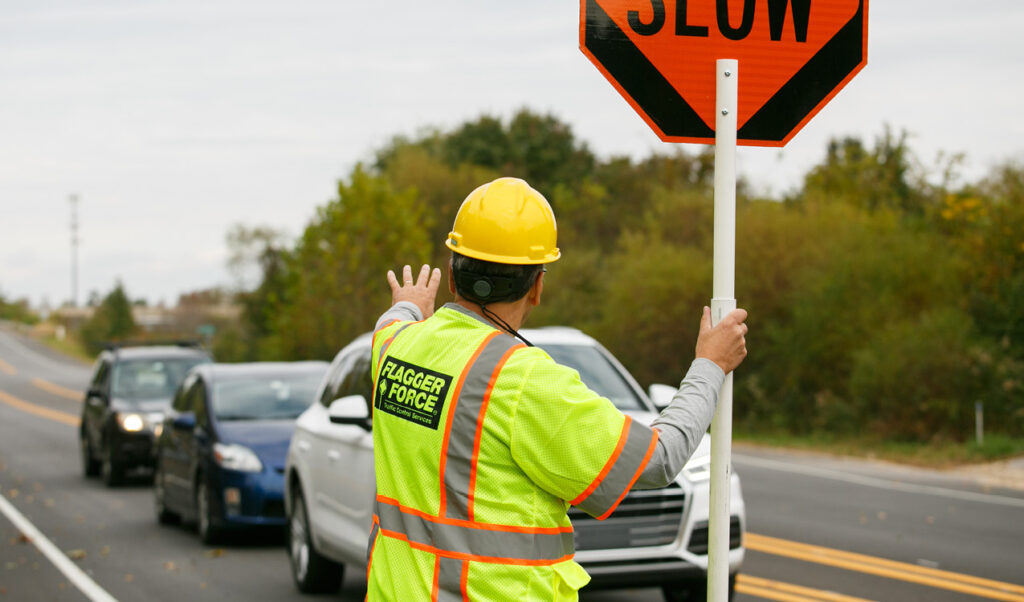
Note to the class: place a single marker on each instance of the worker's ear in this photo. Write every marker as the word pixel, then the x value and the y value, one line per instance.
pixel 536 289
pixel 451 279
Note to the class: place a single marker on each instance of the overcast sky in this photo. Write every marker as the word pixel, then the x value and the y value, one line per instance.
pixel 173 120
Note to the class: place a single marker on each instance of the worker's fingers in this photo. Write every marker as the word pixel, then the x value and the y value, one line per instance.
pixel 705 320
pixel 435 281
pixel 424 278
pixel 736 316
pixel 407 275
pixel 393 281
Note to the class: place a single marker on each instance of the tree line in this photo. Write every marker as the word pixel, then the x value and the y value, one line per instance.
pixel 884 297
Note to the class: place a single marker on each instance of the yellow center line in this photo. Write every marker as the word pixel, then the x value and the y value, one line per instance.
pixel 31 408
pixel 977 586
pixel 57 389
pixel 778 590
pixel 7 368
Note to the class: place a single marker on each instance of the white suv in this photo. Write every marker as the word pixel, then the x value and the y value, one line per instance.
pixel 657 537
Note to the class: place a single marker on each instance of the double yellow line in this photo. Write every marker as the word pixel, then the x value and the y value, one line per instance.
pixel 31 408
pixel 787 592
pixel 966 584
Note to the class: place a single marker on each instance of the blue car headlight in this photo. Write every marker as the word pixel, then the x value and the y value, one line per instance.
pixel 236 457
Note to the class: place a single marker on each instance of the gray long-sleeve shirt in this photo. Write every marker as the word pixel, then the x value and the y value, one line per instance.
pixel 680 426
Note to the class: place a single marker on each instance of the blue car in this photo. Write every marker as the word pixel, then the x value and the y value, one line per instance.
pixel 220 456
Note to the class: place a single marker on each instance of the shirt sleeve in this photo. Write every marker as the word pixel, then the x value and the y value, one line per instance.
pixel 683 423
pixel 403 311
pixel 574 443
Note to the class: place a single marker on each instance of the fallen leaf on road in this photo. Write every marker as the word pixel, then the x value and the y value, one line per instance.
pixel 22 538
pixel 77 554
pixel 169 566
pixel 129 578
pixel 214 553
pixel 202 585
pixel 105 550
pixel 3 591
pixel 11 566
pixel 37 487
pixel 12 493
pixel 48 502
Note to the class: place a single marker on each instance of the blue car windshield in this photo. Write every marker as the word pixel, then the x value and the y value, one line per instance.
pixel 268 397
pixel 145 379
pixel 598 373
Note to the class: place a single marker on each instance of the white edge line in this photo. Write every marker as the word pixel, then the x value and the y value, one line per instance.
pixel 879 483
pixel 77 576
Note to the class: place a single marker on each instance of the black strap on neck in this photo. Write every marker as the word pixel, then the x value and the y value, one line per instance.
pixel 505 325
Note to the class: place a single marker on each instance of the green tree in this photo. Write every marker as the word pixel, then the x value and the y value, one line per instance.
pixel 335 286
pixel 883 177
pixel 111 321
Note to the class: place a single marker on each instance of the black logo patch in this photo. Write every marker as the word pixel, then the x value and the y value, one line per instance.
pixel 411 393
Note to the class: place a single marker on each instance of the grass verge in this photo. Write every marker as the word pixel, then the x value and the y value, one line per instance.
pixel 939 454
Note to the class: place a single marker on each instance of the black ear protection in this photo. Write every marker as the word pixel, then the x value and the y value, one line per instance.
pixel 490 289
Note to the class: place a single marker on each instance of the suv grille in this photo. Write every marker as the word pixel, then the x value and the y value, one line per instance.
pixel 644 518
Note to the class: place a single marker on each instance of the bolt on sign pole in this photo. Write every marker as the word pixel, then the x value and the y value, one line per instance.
pixel 722 302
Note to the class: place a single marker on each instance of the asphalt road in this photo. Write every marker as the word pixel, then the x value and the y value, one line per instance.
pixel 819 528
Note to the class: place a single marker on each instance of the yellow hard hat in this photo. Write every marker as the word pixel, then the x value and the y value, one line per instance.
pixel 505 221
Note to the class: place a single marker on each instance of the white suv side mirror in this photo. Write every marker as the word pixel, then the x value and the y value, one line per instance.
pixel 351 409
pixel 661 395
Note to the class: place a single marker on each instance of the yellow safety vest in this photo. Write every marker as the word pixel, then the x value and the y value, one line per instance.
pixel 480 445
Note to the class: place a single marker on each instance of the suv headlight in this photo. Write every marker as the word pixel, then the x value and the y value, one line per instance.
pixel 698 469
pixel 131 423
pixel 236 457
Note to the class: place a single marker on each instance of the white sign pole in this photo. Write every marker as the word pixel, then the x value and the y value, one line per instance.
pixel 723 301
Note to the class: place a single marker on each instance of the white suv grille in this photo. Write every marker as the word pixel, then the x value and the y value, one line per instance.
pixel 644 518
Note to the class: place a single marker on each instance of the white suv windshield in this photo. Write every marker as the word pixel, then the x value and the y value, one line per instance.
pixel 597 373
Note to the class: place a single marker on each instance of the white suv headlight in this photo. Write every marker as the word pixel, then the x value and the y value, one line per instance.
pixel 698 469
pixel 236 457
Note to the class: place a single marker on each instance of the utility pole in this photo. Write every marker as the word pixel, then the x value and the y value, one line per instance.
pixel 74 250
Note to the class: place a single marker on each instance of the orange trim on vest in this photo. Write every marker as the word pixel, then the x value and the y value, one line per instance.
pixel 623 436
pixel 639 470
pixel 436 587
pixel 464 582
pixel 443 504
pixel 373 546
pixel 473 525
pixel 480 428
pixel 472 557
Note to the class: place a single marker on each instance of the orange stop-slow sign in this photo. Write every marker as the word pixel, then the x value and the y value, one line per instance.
pixel 793 56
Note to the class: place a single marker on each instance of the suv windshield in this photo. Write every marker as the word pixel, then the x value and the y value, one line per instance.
pixel 142 379
pixel 597 373
pixel 263 397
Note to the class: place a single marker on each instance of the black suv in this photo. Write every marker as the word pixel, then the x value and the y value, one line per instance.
pixel 130 390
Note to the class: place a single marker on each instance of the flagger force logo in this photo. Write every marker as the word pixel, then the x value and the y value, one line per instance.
pixel 411 392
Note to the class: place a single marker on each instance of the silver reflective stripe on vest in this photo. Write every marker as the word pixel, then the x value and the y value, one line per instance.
pixel 449 580
pixel 622 474
pixel 467 419
pixel 387 344
pixel 484 545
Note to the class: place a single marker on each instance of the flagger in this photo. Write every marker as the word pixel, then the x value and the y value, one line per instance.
pixel 472 495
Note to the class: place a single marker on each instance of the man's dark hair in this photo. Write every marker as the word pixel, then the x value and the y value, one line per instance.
pixel 486 282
